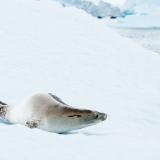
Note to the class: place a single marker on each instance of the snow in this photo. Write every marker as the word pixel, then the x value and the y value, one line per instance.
pixel 45 47
pixel 139 14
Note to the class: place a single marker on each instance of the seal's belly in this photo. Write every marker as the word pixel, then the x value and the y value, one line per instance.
pixel 60 124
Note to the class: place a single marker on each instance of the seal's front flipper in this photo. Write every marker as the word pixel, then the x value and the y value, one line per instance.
pixel 33 123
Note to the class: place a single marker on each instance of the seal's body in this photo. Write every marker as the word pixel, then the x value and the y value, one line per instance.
pixel 48 112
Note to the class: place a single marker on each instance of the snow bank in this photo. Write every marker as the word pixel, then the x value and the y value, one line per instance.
pixel 47 48
pixel 96 9
pixel 143 13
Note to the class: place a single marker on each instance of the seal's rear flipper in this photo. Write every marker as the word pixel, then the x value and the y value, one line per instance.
pixel 2 111
pixel 1 103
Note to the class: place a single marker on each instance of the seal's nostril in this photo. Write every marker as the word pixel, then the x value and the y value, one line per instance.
pixel 105 117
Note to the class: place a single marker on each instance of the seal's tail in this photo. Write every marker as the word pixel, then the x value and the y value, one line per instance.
pixel 1 103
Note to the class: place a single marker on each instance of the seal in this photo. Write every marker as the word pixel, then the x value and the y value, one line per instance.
pixel 49 113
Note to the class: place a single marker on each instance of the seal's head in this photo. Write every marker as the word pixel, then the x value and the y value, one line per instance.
pixel 79 118
pixel 68 118
pixel 92 117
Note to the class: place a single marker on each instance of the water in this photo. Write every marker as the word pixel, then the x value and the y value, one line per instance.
pixel 148 38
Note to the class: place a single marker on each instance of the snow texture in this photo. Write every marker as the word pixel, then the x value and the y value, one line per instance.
pixel 45 47
pixel 143 14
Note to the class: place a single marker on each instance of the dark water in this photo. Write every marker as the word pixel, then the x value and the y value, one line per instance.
pixel 148 38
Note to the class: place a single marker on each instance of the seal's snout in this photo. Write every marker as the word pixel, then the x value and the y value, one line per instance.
pixel 101 116
pixel 104 117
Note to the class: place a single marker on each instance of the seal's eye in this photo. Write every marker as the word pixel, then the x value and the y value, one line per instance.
pixel 96 116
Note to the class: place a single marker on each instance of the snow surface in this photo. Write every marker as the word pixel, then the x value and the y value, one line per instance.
pixel 47 48
pixel 142 14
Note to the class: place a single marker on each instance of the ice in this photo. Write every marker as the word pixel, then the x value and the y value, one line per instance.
pixel 142 7
pixel 95 8
pixel 148 38
pixel 45 47
pixel 138 14
pixel 115 2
